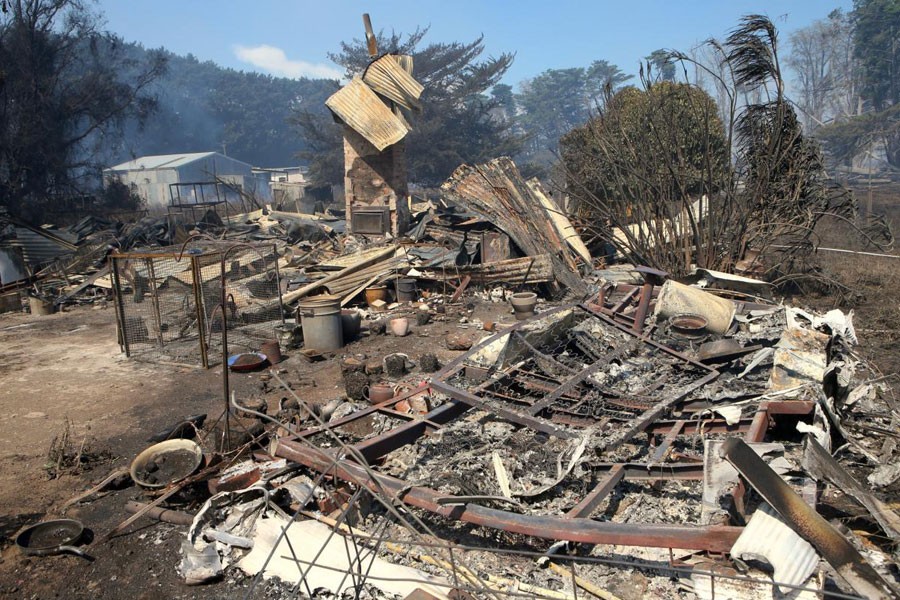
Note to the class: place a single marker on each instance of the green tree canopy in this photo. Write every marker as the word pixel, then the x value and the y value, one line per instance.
pixel 65 88
pixel 661 63
pixel 876 53
pixel 667 137
pixel 877 47
pixel 558 100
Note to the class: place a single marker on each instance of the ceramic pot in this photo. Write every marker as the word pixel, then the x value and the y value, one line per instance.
pixel 378 393
pixel 376 292
pixel 399 326
pixel 523 304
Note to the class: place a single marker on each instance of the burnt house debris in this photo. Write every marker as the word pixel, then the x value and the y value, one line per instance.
pixel 688 428
pixel 625 434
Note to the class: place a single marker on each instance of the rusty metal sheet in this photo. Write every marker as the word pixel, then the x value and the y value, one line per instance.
pixel 497 192
pixel 364 112
pixel 494 246
pixel 513 271
pixel 387 77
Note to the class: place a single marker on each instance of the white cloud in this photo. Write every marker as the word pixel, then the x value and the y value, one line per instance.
pixel 273 60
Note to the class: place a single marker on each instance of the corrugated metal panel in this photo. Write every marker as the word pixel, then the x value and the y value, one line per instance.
pixel 767 537
pixel 389 79
pixel 344 261
pixel 12 267
pixel 539 269
pixel 406 62
pixel 38 249
pixel 161 161
pixel 360 108
pixel 497 192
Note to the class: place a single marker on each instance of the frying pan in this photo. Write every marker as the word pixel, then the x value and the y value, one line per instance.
pixel 52 537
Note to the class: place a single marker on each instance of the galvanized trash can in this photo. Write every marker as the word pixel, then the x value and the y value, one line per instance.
pixel 320 318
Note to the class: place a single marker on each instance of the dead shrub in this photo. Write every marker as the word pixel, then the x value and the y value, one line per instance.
pixel 69 455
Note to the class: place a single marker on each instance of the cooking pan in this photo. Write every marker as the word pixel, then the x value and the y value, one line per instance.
pixel 52 537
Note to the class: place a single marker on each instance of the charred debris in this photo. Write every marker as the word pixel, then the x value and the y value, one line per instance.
pixel 613 429
pixel 612 433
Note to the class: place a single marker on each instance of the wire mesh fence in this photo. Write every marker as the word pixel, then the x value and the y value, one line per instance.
pixel 170 308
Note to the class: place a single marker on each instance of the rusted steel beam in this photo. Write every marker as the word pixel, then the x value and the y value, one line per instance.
pixel 463 284
pixel 757 430
pixel 624 301
pixel 380 445
pixel 603 488
pixel 790 407
pixel 365 412
pixel 522 419
pixel 576 378
pixel 804 519
pixel 716 538
pixel 700 427
pixel 541 355
pixel 638 471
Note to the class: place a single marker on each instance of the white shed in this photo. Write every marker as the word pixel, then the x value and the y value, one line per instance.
pixel 151 177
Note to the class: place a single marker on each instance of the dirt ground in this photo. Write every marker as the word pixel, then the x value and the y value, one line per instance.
pixel 68 366
pixel 869 283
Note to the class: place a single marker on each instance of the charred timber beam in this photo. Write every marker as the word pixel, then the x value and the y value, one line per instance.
pixel 603 488
pixel 716 538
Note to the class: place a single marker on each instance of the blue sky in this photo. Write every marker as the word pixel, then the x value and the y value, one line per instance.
pixel 292 38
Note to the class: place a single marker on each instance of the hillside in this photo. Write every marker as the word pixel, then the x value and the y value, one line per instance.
pixel 202 106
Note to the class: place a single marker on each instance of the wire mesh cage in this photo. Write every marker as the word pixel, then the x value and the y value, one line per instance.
pixel 169 301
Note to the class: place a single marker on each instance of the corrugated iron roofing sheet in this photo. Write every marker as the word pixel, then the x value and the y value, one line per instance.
pixel 405 61
pixel 387 77
pixel 767 537
pixel 39 249
pixel 161 161
pixel 361 108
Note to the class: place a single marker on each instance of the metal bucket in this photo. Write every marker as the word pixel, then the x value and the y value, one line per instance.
pixel 272 351
pixel 39 306
pixel 320 317
pixel 406 290
pixel 677 299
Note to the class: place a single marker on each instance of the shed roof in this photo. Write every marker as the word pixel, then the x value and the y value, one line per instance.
pixel 166 161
